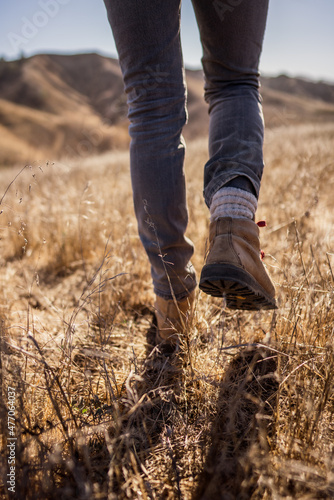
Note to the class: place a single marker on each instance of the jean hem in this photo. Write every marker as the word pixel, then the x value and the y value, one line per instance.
pixel 179 296
pixel 223 178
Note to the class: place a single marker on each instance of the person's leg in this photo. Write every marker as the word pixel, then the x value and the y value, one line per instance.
pixel 147 36
pixel 232 34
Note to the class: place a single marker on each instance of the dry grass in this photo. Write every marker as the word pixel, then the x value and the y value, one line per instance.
pixel 244 411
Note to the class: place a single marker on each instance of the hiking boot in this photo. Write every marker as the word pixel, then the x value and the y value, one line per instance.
pixel 234 267
pixel 172 319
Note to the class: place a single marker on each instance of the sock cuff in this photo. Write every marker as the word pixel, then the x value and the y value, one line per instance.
pixel 233 202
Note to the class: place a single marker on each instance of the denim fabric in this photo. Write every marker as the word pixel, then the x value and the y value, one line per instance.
pixel 147 36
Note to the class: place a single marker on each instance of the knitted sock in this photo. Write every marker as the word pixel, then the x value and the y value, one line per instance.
pixel 233 202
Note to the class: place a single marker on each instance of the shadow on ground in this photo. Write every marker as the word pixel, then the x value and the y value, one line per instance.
pixel 245 410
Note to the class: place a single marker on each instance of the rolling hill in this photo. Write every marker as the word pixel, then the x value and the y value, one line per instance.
pixel 57 106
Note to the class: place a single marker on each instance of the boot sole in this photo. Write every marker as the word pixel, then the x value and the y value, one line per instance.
pixel 241 290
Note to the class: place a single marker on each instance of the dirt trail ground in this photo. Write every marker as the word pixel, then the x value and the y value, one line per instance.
pixel 246 408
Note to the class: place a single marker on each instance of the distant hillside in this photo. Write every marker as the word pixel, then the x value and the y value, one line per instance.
pixel 300 87
pixel 62 106
pixel 294 100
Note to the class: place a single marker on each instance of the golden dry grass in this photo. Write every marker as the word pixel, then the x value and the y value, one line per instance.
pixel 245 411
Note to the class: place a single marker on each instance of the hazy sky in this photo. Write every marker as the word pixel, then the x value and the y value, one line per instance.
pixel 299 38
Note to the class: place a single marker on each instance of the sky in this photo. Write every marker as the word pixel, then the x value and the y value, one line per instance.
pixel 299 39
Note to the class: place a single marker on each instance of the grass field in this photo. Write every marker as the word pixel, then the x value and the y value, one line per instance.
pixel 246 409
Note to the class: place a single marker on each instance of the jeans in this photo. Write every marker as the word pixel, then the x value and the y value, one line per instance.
pixel 147 36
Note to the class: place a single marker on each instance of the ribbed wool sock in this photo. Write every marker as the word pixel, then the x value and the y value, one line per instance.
pixel 233 202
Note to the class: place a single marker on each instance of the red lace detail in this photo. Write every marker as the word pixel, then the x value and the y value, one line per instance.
pixel 262 223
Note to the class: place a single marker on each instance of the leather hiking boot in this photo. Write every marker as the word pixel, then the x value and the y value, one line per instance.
pixel 172 320
pixel 234 267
